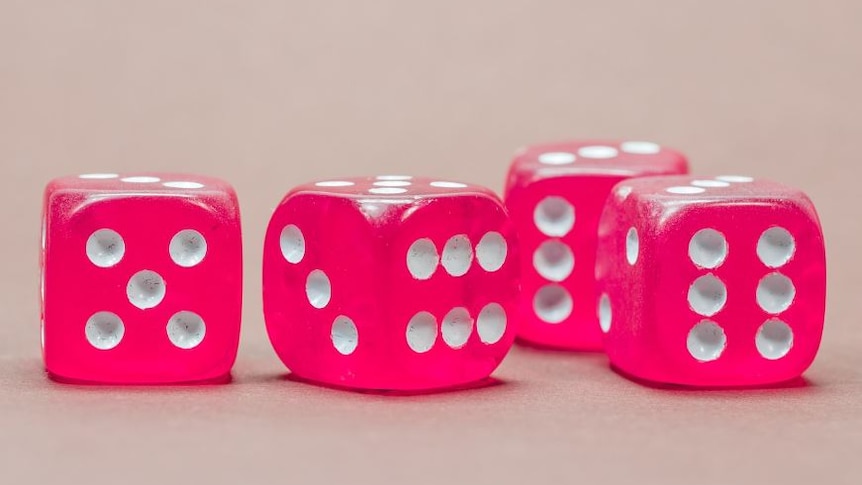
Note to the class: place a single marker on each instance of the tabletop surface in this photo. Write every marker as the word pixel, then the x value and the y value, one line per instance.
pixel 269 95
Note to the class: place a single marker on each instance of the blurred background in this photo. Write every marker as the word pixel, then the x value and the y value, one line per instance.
pixel 268 94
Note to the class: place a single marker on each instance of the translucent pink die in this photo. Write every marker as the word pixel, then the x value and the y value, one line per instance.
pixel 710 281
pixel 141 278
pixel 555 194
pixel 390 283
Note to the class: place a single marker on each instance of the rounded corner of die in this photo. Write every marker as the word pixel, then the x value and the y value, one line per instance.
pixel 681 166
pixel 55 186
pixel 678 162
pixel 60 372
pixel 228 192
pixel 51 186
pixel 293 193
pixel 520 175
pixel 223 184
pixel 282 208
pixel 492 198
pixel 62 204
pixel 806 207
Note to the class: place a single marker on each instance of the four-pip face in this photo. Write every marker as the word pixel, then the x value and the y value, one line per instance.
pixel 141 278
pixel 711 281
pixel 391 282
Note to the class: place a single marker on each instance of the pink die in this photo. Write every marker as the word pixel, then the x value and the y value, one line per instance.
pixel 711 281
pixel 390 283
pixel 141 278
pixel 555 194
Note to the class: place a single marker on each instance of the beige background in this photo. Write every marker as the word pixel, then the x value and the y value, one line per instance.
pixel 268 94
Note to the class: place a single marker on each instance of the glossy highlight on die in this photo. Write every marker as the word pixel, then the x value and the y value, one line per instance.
pixel 390 283
pixel 711 281
pixel 141 278
pixel 556 193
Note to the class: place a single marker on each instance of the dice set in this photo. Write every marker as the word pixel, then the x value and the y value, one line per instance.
pixel 412 284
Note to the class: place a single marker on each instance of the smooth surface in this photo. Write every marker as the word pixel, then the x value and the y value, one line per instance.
pixel 271 94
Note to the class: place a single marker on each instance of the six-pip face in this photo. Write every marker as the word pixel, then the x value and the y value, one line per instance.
pixel 711 281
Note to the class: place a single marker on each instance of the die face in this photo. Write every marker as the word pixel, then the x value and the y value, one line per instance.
pixel 732 286
pixel 558 219
pixel 142 279
pixel 471 293
pixel 596 158
pixel 390 258
pixel 320 268
pixel 556 193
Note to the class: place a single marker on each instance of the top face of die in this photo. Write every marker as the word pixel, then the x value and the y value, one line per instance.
pixel 592 157
pixel 382 198
pixel 79 191
pixel 673 192
pixel 141 183
pixel 392 188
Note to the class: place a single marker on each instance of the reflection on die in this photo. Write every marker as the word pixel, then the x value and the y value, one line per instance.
pixel 390 282
pixel 710 281
pixel 141 278
pixel 555 194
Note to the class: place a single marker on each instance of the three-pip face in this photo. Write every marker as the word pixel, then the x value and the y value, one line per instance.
pixel 141 278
